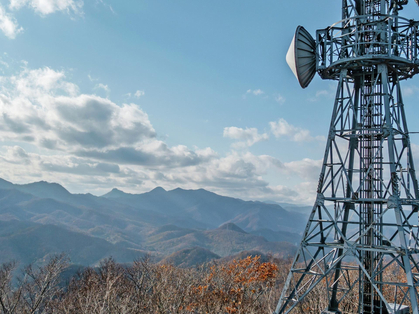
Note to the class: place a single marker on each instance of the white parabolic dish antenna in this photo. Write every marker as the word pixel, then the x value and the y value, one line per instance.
pixel 301 56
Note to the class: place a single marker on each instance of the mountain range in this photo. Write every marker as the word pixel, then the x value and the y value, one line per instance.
pixel 41 218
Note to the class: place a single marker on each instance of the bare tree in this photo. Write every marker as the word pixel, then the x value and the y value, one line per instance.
pixel 241 286
pixel 9 298
pixel 40 284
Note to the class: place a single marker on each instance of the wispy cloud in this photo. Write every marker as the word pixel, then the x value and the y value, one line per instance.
pixel 45 7
pixel 255 92
pixel 307 169
pixel 320 94
pixel 279 99
pixel 139 93
pixel 8 24
pixel 282 128
pixel 246 137
pixel 91 78
pixel 103 87
pixel 328 93
pixel 106 5
pixel 410 90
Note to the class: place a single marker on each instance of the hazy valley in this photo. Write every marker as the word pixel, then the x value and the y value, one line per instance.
pixel 183 227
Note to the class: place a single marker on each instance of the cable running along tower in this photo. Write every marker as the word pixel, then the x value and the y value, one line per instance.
pixel 364 223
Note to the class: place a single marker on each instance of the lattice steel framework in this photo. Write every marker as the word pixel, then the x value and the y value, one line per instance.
pixel 363 229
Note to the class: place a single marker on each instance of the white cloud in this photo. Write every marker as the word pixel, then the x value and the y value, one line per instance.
pixel 16 154
pixel 103 87
pixel 410 90
pixel 106 5
pixel 247 137
pixel 322 93
pixel 139 93
pixel 236 173
pixel 154 154
pixel 40 107
pixel 279 99
pixel 328 93
pixel 285 194
pixel 89 121
pixel 283 129
pixel 307 169
pixel 241 175
pixel 8 24
pixel 35 84
pixel 76 166
pixel 255 92
pixel 91 144
pixel 45 7
pixel 91 78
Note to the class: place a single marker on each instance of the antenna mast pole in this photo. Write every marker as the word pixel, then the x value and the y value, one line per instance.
pixel 364 223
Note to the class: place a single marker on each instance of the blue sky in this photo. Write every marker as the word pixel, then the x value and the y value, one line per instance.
pixel 97 94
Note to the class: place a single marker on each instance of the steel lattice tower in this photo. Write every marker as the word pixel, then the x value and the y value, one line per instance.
pixel 364 223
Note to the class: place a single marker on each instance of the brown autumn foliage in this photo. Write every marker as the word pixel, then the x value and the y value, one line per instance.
pixel 241 286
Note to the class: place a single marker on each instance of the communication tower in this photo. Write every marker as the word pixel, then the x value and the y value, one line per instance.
pixel 363 229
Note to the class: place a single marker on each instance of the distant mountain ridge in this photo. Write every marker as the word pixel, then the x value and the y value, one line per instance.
pixel 158 222
pixel 190 257
pixel 21 241
pixel 211 209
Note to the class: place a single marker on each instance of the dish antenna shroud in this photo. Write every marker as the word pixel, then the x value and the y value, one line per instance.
pixel 364 222
pixel 301 56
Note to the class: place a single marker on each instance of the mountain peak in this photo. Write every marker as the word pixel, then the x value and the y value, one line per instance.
pixel 178 189
pixel 45 188
pixel 114 193
pixel 5 184
pixel 158 189
pixel 192 191
pixel 232 227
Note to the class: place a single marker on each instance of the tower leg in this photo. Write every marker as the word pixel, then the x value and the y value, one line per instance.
pixel 363 228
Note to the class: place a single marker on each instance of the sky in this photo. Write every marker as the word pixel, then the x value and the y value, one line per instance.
pixel 102 94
